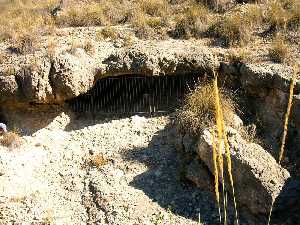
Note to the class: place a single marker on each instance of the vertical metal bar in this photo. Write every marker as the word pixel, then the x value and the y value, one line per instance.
pixel 101 97
pixel 156 92
pixel 135 108
pixel 110 94
pixel 129 95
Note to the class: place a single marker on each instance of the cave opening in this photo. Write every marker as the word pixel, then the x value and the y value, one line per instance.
pixel 135 94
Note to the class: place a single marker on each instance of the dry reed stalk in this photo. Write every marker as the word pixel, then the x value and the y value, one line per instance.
pixel 288 111
pixel 219 153
pixel 229 168
pixel 222 135
pixel 216 172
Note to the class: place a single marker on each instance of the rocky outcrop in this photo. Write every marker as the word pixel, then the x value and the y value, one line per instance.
pixel 9 87
pixel 258 178
pixel 71 72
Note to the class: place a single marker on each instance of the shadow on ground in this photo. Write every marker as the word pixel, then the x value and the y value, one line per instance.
pixel 163 184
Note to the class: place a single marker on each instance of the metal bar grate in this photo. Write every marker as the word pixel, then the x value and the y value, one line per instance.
pixel 134 94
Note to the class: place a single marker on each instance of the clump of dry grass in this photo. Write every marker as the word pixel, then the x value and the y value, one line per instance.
pixel 198 110
pixel 154 7
pixel 238 56
pixel 85 15
pixel 22 22
pixel 89 47
pixel 98 160
pixel 232 30
pixel 11 140
pixel 283 14
pixel 109 32
pixel 279 50
pixel 276 15
pixel 191 22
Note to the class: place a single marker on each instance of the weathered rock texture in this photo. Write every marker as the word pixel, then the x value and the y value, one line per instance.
pixel 266 87
pixel 258 179
pixel 71 72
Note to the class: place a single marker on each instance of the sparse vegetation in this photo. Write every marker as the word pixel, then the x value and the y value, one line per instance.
pixel 232 30
pixel 279 50
pixel 89 47
pixel 109 32
pixel 24 22
pixel 98 160
pixel 11 140
pixel 192 22
pixel 198 110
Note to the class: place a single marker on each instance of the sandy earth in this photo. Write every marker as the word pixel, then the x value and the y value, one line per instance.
pixel 54 177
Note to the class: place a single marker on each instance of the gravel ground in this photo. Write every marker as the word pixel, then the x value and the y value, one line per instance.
pixel 103 171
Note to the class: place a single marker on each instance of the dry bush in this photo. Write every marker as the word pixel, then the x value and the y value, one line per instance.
pixel 89 48
pixel 253 15
pixel 294 19
pixel 232 29
pixel 83 15
pixel 154 7
pixel 140 23
pixel 98 160
pixel 276 15
pixel 238 56
pixel 279 50
pixel 191 22
pixel 22 22
pixel 95 13
pixel 109 33
pixel 11 140
pixel 199 109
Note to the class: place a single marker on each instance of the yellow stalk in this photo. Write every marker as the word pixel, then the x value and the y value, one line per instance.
pixel 220 137
pixel 229 168
pixel 288 111
pixel 216 172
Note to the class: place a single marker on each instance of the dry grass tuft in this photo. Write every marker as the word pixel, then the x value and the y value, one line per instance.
pixel 238 56
pixel 85 15
pixel 283 14
pixel 98 160
pixel 89 48
pixel 191 22
pixel 232 30
pixel 279 50
pixel 109 33
pixel 11 140
pixel 198 110
pixel 154 7
pixel 23 22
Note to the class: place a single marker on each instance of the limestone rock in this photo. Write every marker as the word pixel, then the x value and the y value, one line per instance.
pixel 72 75
pixel 258 78
pixel 71 72
pixel 8 87
pixel 258 178
pixel 200 175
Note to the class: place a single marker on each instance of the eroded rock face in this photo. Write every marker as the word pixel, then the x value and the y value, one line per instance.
pixel 9 87
pixel 70 73
pixel 258 178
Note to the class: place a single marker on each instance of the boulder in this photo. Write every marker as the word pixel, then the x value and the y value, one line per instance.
pixel 258 178
pixel 72 75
